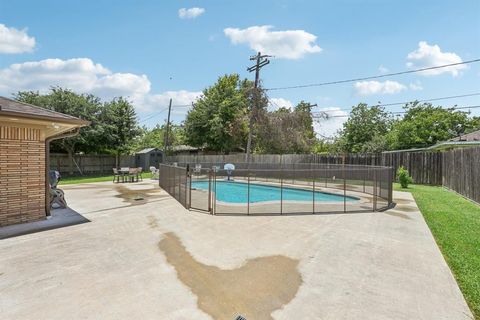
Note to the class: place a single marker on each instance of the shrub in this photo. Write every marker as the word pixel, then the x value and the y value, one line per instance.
pixel 403 177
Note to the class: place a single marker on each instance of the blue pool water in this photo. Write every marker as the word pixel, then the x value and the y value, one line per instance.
pixel 237 192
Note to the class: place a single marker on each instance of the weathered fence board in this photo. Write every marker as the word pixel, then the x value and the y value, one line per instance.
pixel 88 164
pixel 425 167
pixel 461 172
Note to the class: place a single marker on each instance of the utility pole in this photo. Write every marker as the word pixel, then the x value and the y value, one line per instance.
pixel 261 61
pixel 168 128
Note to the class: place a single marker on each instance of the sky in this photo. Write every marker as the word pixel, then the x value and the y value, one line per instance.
pixel 151 51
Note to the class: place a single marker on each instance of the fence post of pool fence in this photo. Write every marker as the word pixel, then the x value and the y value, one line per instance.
pixel 326 175
pixel 390 186
pixel 190 191
pixel 210 191
pixel 380 182
pixel 248 192
pixel 374 190
pixel 364 177
pixel 179 186
pixel 186 187
pixel 214 191
pixel 281 191
pixel 313 193
pixel 344 191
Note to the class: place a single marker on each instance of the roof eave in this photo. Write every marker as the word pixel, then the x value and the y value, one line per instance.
pixel 78 122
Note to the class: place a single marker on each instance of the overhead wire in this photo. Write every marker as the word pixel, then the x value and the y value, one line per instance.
pixel 399 112
pixel 372 77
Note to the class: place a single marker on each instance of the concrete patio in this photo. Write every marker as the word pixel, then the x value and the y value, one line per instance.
pixel 140 254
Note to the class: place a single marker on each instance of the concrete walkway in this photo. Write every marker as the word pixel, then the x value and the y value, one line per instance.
pixel 143 256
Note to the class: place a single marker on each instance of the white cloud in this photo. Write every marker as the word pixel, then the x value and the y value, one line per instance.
pixel 327 128
pixel 383 69
pixel 366 88
pixel 190 13
pixel 84 76
pixel 289 44
pixel 80 74
pixel 430 56
pixel 415 86
pixel 15 41
pixel 180 100
pixel 277 103
pixel 122 84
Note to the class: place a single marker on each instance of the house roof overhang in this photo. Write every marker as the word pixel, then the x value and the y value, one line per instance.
pixel 21 114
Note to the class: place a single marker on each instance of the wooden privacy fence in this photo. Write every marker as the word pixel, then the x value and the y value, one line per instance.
pixel 88 163
pixel 424 167
pixel 461 172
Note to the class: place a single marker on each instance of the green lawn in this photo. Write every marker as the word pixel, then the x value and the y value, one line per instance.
pixel 455 224
pixel 89 179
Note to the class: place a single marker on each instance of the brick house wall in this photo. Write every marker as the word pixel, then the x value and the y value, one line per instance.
pixel 22 175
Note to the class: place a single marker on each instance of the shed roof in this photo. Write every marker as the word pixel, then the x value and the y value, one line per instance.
pixel 10 107
pixel 147 150
pixel 184 147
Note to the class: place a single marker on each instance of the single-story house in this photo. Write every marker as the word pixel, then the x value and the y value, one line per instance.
pixel 469 137
pixel 25 133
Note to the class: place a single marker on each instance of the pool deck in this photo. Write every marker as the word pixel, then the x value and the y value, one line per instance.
pixel 140 254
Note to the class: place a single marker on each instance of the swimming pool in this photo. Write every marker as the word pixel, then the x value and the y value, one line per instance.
pixel 237 192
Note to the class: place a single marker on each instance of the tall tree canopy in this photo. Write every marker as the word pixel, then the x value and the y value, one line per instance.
pixel 84 106
pixel 121 126
pixel 156 137
pixel 424 125
pixel 364 125
pixel 286 131
pixel 217 120
pixel 113 124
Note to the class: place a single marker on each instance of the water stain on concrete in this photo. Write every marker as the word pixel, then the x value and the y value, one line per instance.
pixel 406 208
pixel 137 197
pixel 402 201
pixel 398 214
pixel 254 290
pixel 152 222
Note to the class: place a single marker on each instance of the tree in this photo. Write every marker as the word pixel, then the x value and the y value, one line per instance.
pixel 304 111
pixel 120 126
pixel 286 131
pixel 424 124
pixel 217 120
pixel 146 138
pixel 363 124
pixel 155 138
pixel 84 106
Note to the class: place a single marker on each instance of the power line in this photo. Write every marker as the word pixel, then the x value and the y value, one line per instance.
pixel 372 77
pixel 163 110
pixel 153 115
pixel 433 99
pixel 399 112
pixel 423 100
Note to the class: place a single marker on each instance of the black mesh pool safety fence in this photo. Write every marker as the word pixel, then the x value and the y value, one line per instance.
pixel 273 189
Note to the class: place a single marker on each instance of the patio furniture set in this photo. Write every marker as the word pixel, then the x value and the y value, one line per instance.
pixel 126 174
